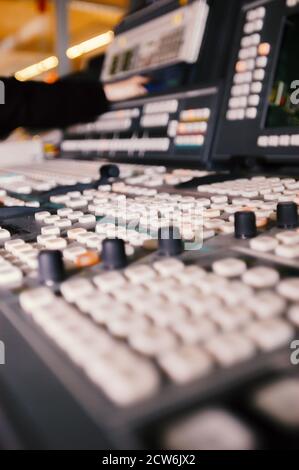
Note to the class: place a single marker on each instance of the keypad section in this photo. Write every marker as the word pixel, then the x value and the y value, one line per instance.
pixel 175 126
pixel 126 329
pixel 253 55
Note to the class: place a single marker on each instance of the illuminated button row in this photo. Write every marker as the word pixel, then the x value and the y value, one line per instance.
pixel 116 145
pixel 250 70
pixel 167 106
pixel 189 141
pixel 189 115
pixel 192 128
pixel 278 140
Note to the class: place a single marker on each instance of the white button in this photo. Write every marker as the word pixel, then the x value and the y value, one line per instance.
pixel 289 288
pixel 264 244
pixel 75 288
pixel 284 140
pixel 56 244
pixel 261 62
pixel 253 100
pixel 255 39
pixel 35 298
pixel 64 212
pixel 40 216
pixel 4 235
pixel 50 230
pixel 287 251
pixel 261 277
pixel 229 267
pixel 263 141
pixel 140 273
pixel 256 87
pixel 210 429
pixel 288 238
pixel 251 113
pixel 259 74
pixel 168 267
pixel 51 219
pixel 75 232
pixel 270 334
pixel 279 401
pixel 72 252
pixel 152 341
pixel 266 304
pixel 260 12
pixel 87 220
pixel 258 25
pixel 10 277
pixel 273 140
pixel 295 140
pixel 230 349
pixel 11 245
pixel 249 27
pixel 108 282
pixel 186 363
pixel 74 216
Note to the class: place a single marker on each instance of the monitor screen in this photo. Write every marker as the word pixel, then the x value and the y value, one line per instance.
pixel 284 98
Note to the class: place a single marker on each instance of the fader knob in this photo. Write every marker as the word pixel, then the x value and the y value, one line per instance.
pixel 109 171
pixel 114 253
pixel 287 215
pixel 170 241
pixel 50 266
pixel 245 225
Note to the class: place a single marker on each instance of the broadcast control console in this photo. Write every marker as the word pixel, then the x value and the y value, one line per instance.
pixel 149 296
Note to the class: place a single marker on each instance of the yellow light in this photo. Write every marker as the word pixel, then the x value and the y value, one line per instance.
pixel 37 69
pixel 90 45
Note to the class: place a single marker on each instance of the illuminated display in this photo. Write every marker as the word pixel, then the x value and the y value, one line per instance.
pixel 284 99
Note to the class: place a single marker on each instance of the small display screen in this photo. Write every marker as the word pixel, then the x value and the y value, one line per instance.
pixel 284 99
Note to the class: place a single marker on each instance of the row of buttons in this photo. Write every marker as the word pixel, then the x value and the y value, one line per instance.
pixel 192 128
pixel 116 145
pixel 189 141
pixel 121 114
pixel 250 73
pixel 278 140
pixel 201 114
pixel 113 125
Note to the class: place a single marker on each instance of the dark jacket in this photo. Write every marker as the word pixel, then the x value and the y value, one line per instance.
pixel 39 105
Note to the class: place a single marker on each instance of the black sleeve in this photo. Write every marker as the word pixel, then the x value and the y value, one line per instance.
pixel 40 105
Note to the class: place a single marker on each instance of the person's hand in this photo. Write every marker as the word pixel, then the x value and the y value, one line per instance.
pixel 126 89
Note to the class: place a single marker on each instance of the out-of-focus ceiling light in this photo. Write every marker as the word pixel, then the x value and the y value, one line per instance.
pixel 90 45
pixel 72 53
pixel 37 69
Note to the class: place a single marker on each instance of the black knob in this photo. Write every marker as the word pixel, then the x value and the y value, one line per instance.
pixel 287 215
pixel 170 241
pixel 50 266
pixel 114 253
pixel 245 225
pixel 109 171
